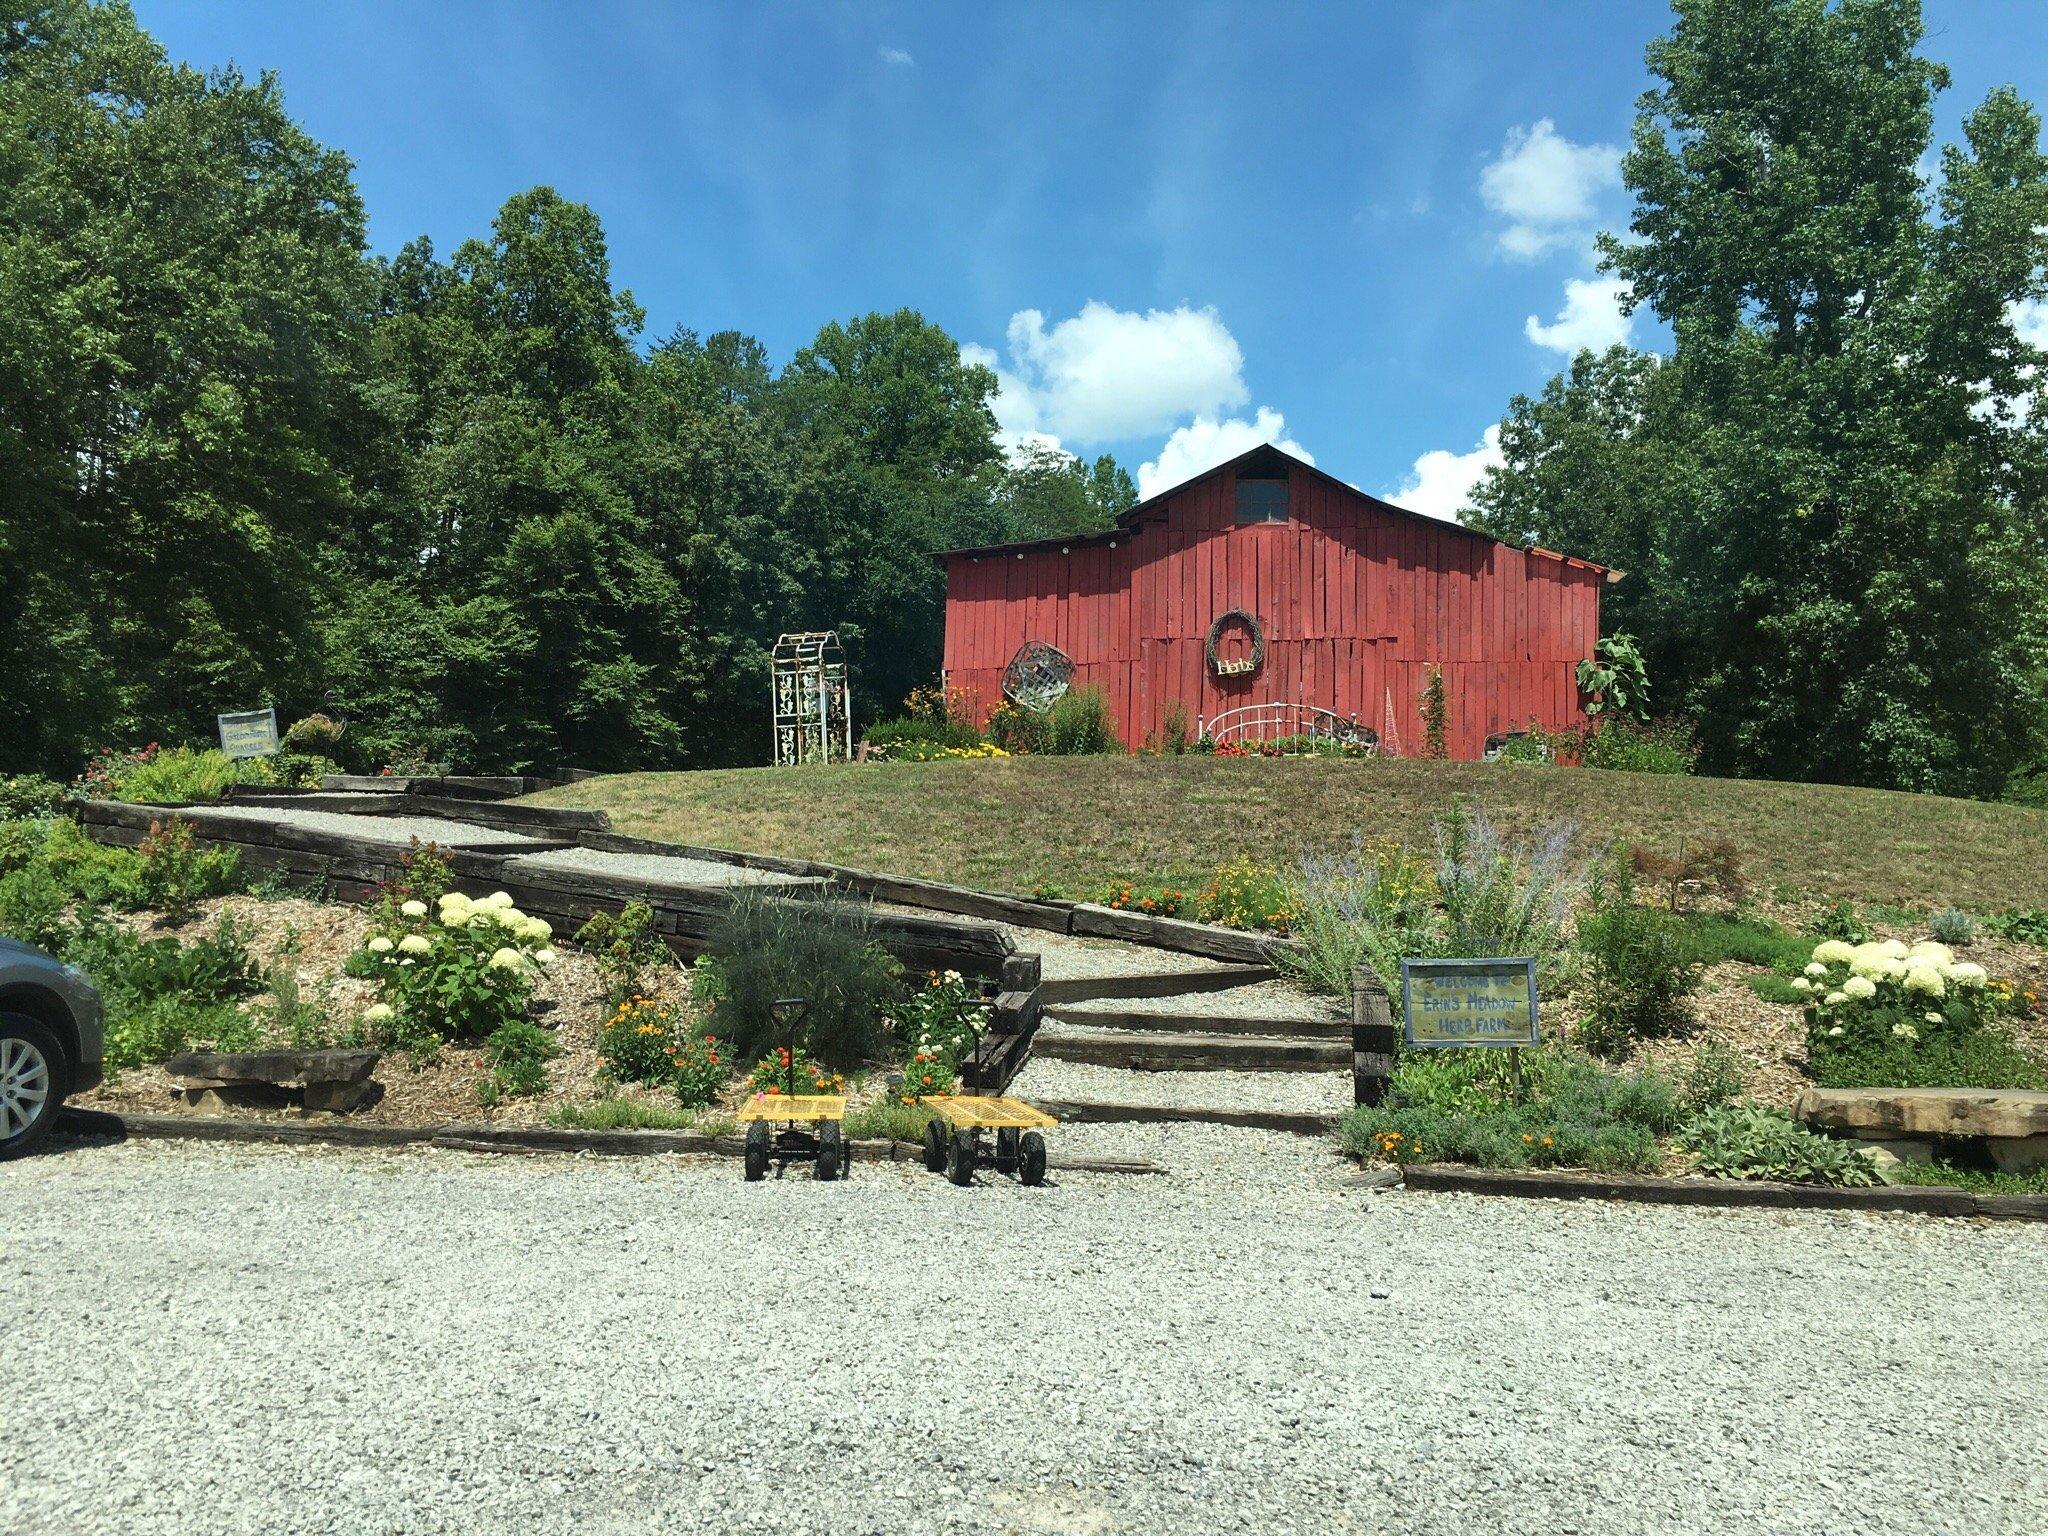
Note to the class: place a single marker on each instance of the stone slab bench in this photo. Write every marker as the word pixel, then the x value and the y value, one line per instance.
pixel 322 1080
pixel 2011 1124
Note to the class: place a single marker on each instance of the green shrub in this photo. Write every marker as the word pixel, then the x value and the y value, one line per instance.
pixel 1641 967
pixel 1176 730
pixel 1633 746
pixel 1461 1106
pixel 32 907
pixel 1080 724
pixel 1884 1015
pixel 21 844
pixel 2024 927
pixel 1839 920
pixel 173 776
pixel 460 974
pixel 518 1053
pixel 887 1122
pixel 625 949
pixel 1773 988
pixel 1153 900
pixel 1714 1078
pixel 1747 1141
pixel 1748 941
pixel 97 874
pixel 1016 729
pixel 1502 896
pixel 145 1031
pixel 918 740
pixel 1369 905
pixel 763 948
pixel 1952 926
pixel 174 874
pixel 614 1114
pixel 315 734
pixel 29 797
pixel 1247 894
pixel 1987 1058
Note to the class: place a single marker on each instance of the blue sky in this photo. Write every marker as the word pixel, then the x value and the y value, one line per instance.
pixel 1174 228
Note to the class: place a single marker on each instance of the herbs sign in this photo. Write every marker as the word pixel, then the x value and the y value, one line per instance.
pixel 249 733
pixel 1469 1002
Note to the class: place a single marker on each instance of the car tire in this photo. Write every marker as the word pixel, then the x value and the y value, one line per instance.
pixel 31 1083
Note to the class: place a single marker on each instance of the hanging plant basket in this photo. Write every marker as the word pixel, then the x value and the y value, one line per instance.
pixel 1251 663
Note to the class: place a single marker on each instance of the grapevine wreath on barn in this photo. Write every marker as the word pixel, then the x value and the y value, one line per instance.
pixel 1247 665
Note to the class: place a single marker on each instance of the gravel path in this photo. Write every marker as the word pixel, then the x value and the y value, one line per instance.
pixel 653 866
pixel 1279 1001
pixel 1311 1092
pixel 380 829
pixel 233 1340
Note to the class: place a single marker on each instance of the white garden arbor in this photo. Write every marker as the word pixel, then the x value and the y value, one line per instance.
pixel 811 699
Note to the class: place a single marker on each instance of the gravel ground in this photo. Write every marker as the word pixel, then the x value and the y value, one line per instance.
pixel 234 1340
pixel 1280 1001
pixel 380 829
pixel 1312 1092
pixel 654 866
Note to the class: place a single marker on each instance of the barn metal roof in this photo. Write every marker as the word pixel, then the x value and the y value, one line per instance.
pixel 1151 510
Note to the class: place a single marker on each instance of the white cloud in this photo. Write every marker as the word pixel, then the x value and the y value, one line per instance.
pixel 896 56
pixel 1591 317
pixel 1207 441
pixel 1442 482
pixel 1547 188
pixel 2029 320
pixel 1107 374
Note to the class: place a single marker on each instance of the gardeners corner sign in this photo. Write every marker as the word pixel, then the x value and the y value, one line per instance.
pixel 1469 1002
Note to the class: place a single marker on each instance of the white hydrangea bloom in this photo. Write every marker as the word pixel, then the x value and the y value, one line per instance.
pixel 1859 987
pixel 377 1013
pixel 1816 969
pixel 1835 1033
pixel 1928 949
pixel 415 944
pixel 379 945
pixel 1801 984
pixel 1833 952
pixel 497 899
pixel 414 909
pixel 506 959
pixel 1926 980
pixel 1969 974
pixel 1831 1000
pixel 1905 1031
pixel 544 956
pixel 1932 1018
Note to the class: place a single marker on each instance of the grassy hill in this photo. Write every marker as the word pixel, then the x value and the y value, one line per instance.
pixel 1010 824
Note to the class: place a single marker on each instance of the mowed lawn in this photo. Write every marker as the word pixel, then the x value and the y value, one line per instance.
pixel 1008 824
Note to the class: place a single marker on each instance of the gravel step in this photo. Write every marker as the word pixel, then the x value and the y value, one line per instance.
pixel 1071 988
pixel 1150 1051
pixel 1105 1019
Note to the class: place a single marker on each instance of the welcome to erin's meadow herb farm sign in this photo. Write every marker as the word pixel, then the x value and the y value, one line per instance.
pixel 1469 1002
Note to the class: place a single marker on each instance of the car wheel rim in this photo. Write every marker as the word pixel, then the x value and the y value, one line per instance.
pixel 24 1086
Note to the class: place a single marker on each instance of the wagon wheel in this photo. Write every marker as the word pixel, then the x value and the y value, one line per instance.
pixel 960 1156
pixel 757 1151
pixel 827 1167
pixel 1031 1154
pixel 1006 1149
pixel 935 1145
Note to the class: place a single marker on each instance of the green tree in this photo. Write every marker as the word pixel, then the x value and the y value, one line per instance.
pixel 183 305
pixel 1837 560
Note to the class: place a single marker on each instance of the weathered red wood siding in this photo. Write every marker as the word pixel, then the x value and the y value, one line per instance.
pixel 1357 602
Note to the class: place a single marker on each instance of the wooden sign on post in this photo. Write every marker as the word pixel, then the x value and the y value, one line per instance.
pixel 1469 1002
pixel 249 733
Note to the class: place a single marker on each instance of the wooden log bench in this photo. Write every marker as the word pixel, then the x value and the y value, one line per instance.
pixel 332 1081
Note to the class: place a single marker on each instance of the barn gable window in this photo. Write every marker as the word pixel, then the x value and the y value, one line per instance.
pixel 1262 495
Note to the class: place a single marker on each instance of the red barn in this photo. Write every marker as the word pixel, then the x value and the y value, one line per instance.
pixel 1265 591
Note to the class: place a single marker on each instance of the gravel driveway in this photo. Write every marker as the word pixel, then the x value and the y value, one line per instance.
pixel 209 1339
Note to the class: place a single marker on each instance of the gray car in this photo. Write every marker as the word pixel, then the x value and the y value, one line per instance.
pixel 49 1041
